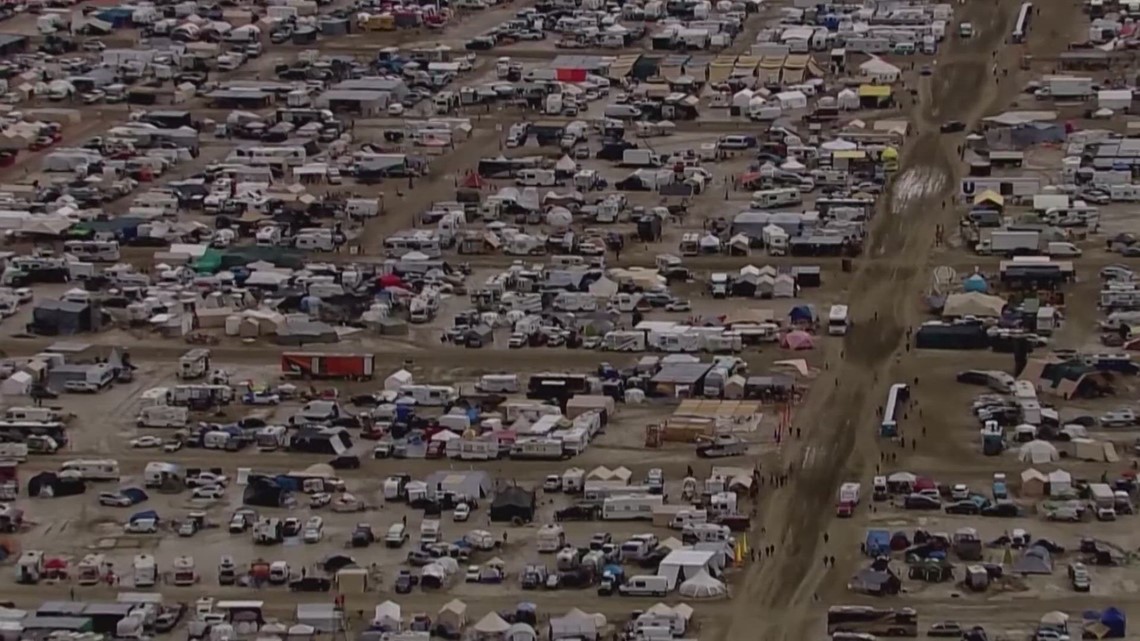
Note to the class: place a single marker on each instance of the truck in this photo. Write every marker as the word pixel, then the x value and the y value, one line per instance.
pixel 640 158
pixel 1101 496
pixel 342 366
pixel 848 499
pixel 1007 242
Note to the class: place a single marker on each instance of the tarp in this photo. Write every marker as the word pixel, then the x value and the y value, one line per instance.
pixel 797 340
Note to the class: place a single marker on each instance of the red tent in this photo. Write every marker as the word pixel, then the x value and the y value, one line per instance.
pixel 390 280
pixel 473 181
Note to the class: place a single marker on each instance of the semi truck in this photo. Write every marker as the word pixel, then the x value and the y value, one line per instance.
pixel 848 499
pixel 346 366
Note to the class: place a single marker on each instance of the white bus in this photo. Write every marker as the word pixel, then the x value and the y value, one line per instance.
pixel 837 320
pixel 289 156
pixel 93 469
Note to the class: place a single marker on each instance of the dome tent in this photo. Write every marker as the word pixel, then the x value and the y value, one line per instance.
pixel 975 283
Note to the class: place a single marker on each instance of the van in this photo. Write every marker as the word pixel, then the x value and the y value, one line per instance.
pixel 904 48
pixel 397 535
pixel 737 142
pixel 1063 250
pixel 645 585
pixel 622 112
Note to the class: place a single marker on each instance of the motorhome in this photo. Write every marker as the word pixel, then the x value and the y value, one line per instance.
pixel 185 572
pixel 430 532
pixel 549 449
pixel 144 571
pixel 498 384
pixel 279 572
pixel 92 569
pixel 631 507
pixel 430 395
pixel 30 567
pixel 92 469
pixel 551 538
pixel 271 438
pixel 772 198
pixel 837 321
pixel 93 251
pixel 163 416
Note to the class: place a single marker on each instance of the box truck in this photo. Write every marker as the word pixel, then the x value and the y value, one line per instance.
pixel 328 365
pixel 848 499
pixel 1007 242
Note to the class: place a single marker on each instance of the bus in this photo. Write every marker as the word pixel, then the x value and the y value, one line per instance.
pixel 888 622
pixel 93 469
pixel 837 320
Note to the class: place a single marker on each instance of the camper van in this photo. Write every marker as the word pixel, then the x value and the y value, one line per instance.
pixel 536 178
pixel 772 198
pixel 498 384
pixel 145 571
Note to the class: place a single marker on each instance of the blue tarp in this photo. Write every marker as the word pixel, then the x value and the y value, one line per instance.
pixel 1116 622
pixel 800 313
pixel 878 542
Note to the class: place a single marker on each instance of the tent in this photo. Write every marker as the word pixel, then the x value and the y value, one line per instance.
pixel 18 384
pixel 491 626
pixel 1060 482
pixel 521 632
pixel 1038 452
pixel 388 616
pixel 973 304
pixel 1035 560
pixel 453 615
pixel 566 165
pixel 801 314
pixel 703 586
pixel 398 380
pixel 1033 482
pixel 797 340
pixel 574 625
pixel 975 283
pixel 682 565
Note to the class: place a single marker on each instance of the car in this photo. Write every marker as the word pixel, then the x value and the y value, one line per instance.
pixel 206 478
pixel 1131 251
pixel 169 618
pixel 314 530
pixel 1117 272
pixel 1006 509
pixel 212 492
pixel 333 176
pixel 952 126
pixel 146 441
pixel 600 539
pixel 517 341
pixel 115 499
pixel 944 629
pixel 256 397
pixel 187 528
pixel 657 299
pixel 963 507
pixel 24 295
pixel 242 520
pixel 531 35
pixel 921 502
pixel 461 513
pixel 678 306
pixel 552 483
pixel 1079 577
pixel 173 445
pixel 926 70
pixel 1096 196
pixel 319 500
pixel 92 97
pixel 396 109
pixel 142 526
pixel 472 575
pixel 291 527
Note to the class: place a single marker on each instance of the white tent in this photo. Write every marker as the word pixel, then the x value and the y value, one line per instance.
pixel 847 100
pixel 1060 482
pixel 388 616
pixel 18 384
pixel 574 625
pixel 603 288
pixel 566 164
pixel 398 380
pixel 742 98
pixel 559 217
pixel 703 586
pixel 492 625
pixel 682 565
pixel 1038 452
pixel 880 71
pixel 521 632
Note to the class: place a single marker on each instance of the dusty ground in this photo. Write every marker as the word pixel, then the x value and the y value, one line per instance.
pixel 776 598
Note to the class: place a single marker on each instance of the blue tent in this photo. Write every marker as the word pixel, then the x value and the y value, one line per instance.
pixel 975 283
pixel 136 495
pixel 878 542
pixel 1115 621
pixel 801 314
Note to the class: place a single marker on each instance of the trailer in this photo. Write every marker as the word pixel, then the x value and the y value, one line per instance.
pixel 634 507
pixel 1009 242
pixel 312 365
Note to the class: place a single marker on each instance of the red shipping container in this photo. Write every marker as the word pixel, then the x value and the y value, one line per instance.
pixel 570 75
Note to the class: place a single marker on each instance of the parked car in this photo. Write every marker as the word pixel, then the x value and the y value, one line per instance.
pixel 1079 577
pixel 945 629
pixel 963 507
pixel 405 581
pixel 115 499
pixel 146 441
pixel 461 513
pixel 212 492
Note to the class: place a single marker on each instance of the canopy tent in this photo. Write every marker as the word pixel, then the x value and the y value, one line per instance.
pixel 703 586
pixel 797 340
pixel 1038 452
pixel 492 625
pixel 973 304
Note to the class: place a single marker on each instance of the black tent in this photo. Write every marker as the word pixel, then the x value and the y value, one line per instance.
pixel 263 491
pixel 51 484
pixel 513 504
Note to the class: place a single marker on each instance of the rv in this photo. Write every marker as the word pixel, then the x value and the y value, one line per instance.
pixel 551 538
pixel 93 251
pixel 837 322
pixel 92 569
pixel 145 571
pixel 498 384
pixel 163 416
pixel 628 507
pixel 271 438
pixel 92 469
pixel 184 571
pixel 430 395
pixel 772 198
pixel 30 567
pixel 549 449
pixel 14 452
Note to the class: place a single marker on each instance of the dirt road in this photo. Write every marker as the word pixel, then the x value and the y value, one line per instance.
pixel 839 418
